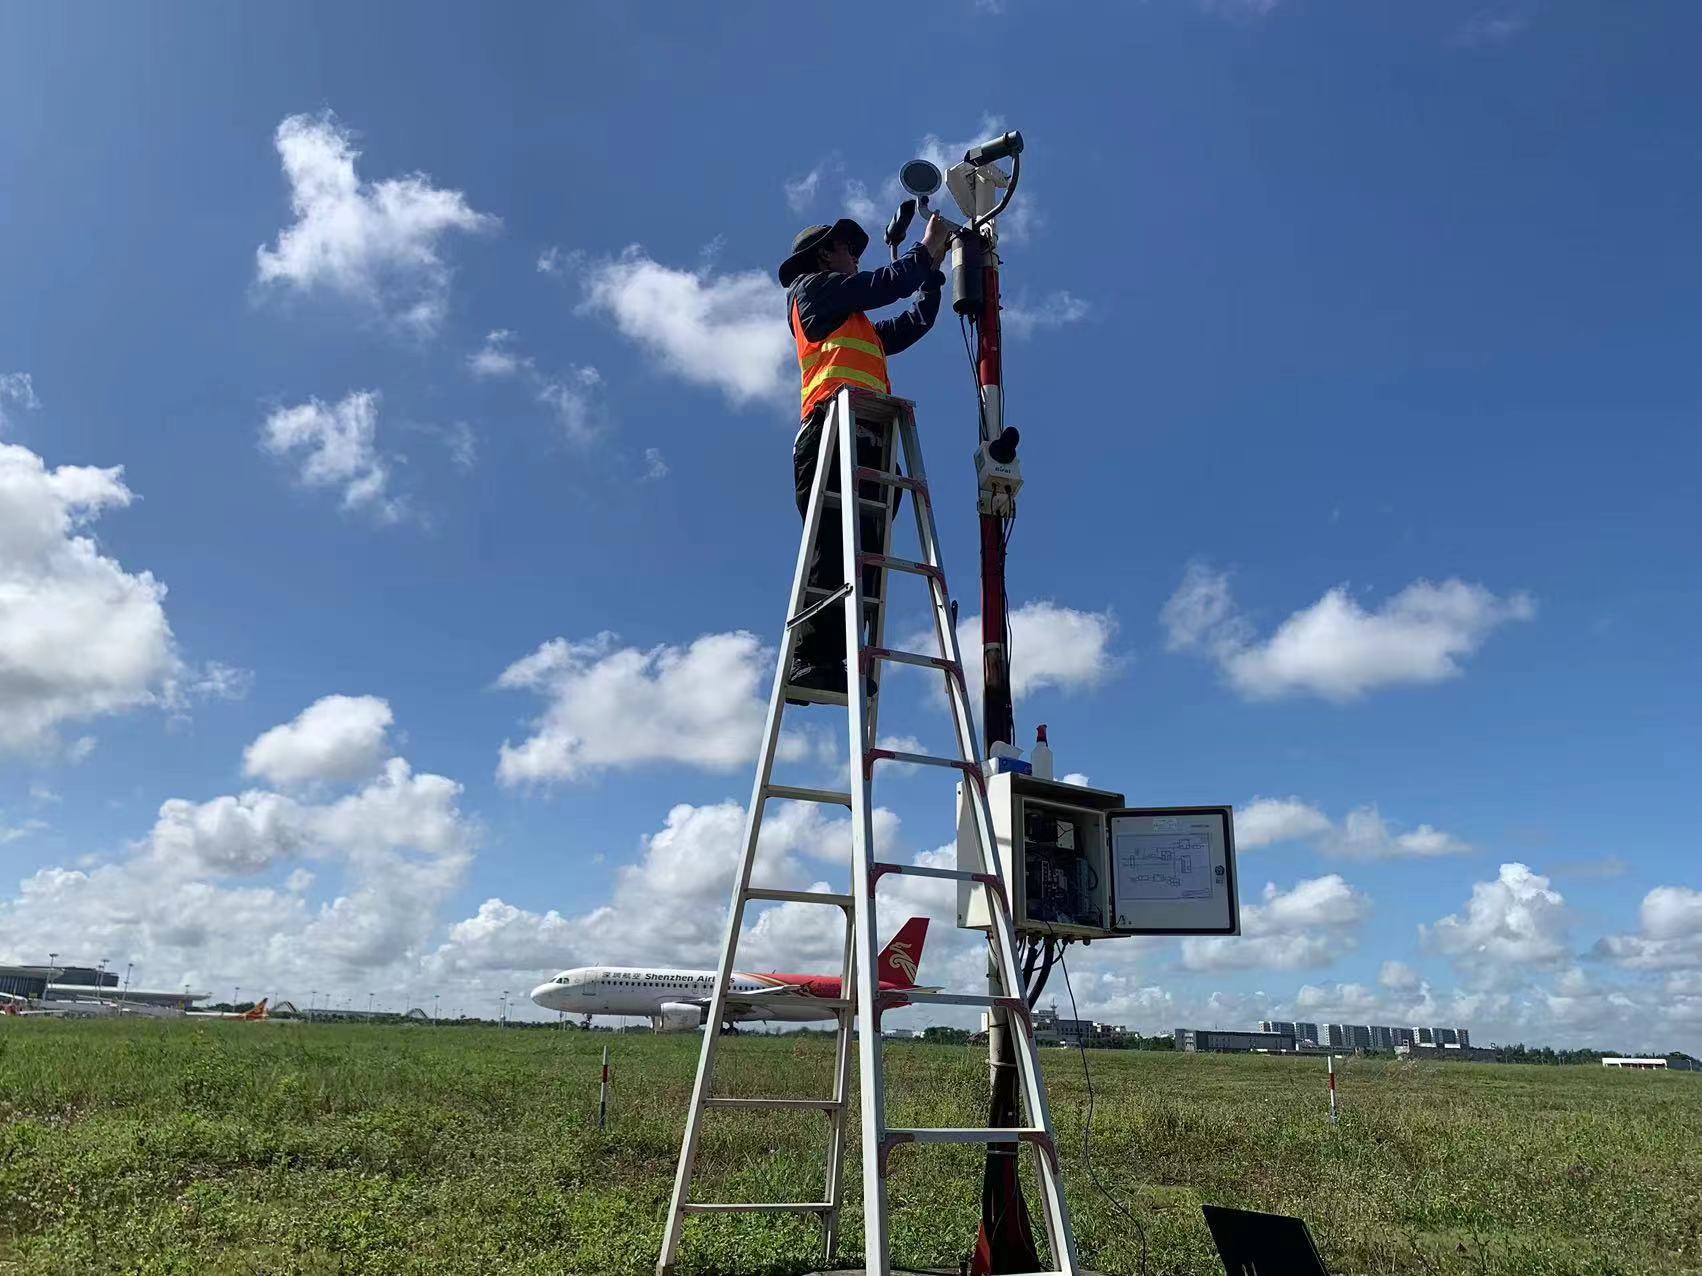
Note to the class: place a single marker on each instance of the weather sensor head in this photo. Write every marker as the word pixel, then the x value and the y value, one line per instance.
pixel 920 178
pixel 1004 147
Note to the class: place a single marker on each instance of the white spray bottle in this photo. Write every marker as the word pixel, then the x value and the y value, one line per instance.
pixel 1040 757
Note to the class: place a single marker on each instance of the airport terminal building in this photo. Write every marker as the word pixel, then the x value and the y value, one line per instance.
pixel 85 983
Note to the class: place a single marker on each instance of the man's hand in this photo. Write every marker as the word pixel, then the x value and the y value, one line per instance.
pixel 936 238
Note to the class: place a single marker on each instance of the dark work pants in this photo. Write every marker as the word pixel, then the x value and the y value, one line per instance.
pixel 821 640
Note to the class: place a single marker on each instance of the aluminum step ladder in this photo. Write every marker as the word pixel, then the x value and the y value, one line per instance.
pixel 872 493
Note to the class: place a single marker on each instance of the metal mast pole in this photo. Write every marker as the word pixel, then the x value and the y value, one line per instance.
pixel 997 716
pixel 1005 1242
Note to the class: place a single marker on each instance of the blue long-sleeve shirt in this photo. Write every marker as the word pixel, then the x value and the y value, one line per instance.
pixel 825 299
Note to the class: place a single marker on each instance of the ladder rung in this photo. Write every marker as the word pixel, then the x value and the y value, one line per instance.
pixel 822 1105
pixel 888 563
pixel 919 997
pixel 867 474
pixel 910 658
pixel 827 599
pixel 756 1207
pixel 797 897
pixel 816 591
pixel 918 759
pixel 925 870
pixel 867 502
pixel 984 1134
pixel 811 695
pixel 791 793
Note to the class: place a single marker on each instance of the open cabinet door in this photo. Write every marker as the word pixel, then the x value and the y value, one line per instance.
pixel 1173 870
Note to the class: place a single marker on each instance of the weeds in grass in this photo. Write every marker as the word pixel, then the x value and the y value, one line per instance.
pixel 165 1148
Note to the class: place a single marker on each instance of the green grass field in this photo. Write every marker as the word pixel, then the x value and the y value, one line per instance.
pixel 225 1147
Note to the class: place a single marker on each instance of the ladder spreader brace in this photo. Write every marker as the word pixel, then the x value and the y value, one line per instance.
pixel 892 422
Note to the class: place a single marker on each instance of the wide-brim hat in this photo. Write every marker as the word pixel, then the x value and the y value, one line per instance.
pixel 812 239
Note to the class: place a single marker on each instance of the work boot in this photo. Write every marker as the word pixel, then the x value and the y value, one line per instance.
pixel 814 677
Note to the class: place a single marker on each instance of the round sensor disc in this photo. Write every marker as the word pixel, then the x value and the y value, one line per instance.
pixel 919 177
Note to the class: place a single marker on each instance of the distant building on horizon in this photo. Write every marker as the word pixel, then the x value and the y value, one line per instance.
pixel 1218 1041
pixel 1385 1038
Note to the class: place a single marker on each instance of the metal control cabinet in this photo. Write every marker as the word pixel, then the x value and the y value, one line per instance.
pixel 1080 864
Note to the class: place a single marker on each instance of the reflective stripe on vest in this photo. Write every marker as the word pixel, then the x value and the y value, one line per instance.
pixel 851 354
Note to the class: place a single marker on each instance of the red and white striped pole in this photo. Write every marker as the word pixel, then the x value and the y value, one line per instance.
pixel 1332 1066
pixel 603 1093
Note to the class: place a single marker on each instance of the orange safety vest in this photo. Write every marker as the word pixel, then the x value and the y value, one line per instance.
pixel 850 355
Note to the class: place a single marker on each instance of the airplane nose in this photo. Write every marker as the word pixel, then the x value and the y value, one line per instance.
pixel 542 994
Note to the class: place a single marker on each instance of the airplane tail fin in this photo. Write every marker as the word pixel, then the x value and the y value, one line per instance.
pixel 900 959
pixel 259 1011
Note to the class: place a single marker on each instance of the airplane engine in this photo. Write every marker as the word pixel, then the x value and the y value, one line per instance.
pixel 679 1017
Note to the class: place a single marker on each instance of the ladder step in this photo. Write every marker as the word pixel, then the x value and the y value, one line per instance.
pixel 870 408
pixel 983 1134
pixel 918 997
pixel 816 591
pixel 821 604
pixel 866 474
pixel 886 562
pixel 756 1207
pixel 867 502
pixel 910 658
pixel 819 1105
pixel 791 793
pixel 925 870
pixel 797 897
pixel 918 759
pixel 809 695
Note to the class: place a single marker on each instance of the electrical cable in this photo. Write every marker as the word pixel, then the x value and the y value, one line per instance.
pixel 1087 1127
pixel 1053 952
pixel 1030 959
pixel 967 325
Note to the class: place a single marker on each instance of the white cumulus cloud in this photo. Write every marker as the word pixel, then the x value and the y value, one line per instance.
pixel 80 637
pixel 1397 976
pixel 336 446
pixel 723 330
pixel 398 839
pixel 1335 648
pixel 670 905
pixel 1364 834
pixel 1266 820
pixel 1051 646
pixel 1669 937
pixel 1308 925
pixel 611 706
pixel 1517 919
pixel 336 739
pixel 379 243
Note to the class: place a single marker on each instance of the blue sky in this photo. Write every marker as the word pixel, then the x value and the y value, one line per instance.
pixel 1353 350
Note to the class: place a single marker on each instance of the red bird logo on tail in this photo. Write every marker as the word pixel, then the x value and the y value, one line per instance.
pixel 900 959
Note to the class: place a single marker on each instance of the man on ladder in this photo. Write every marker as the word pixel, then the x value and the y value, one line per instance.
pixel 849 360
pixel 838 346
